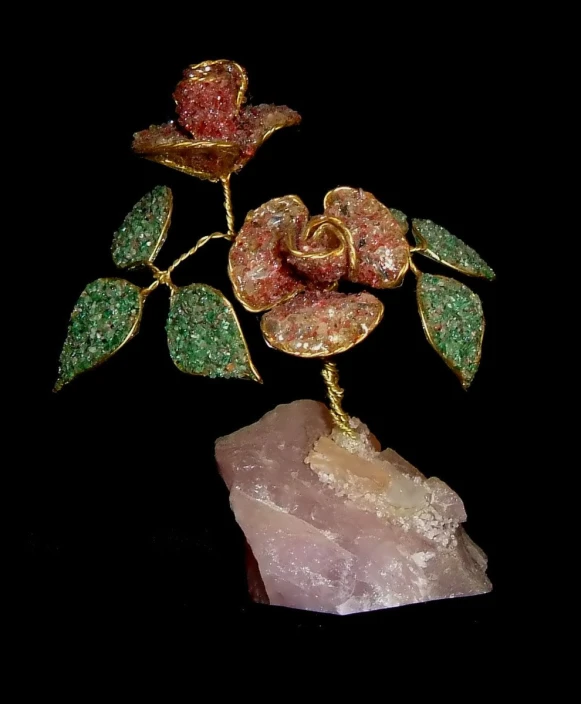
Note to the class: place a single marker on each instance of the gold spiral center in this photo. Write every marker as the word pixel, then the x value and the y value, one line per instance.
pixel 314 231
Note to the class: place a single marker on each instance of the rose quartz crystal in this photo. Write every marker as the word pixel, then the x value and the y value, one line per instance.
pixel 333 525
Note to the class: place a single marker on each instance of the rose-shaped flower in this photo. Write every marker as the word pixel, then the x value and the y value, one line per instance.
pixel 290 263
pixel 215 134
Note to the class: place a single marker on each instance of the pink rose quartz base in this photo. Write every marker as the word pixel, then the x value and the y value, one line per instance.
pixel 333 525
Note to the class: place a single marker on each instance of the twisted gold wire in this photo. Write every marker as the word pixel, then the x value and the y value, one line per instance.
pixel 335 394
pixel 228 205
pixel 200 243
pixel 314 230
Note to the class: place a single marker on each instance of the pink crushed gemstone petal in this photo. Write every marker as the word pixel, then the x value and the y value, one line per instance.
pixel 256 267
pixel 258 122
pixel 381 246
pixel 158 136
pixel 206 101
pixel 318 544
pixel 321 323
pixel 167 145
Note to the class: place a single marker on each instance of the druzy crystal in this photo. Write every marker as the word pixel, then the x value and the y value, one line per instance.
pixel 335 526
pixel 454 323
pixel 216 134
pixel 439 244
pixel 143 230
pixel 204 336
pixel 379 239
pixel 259 273
pixel 104 318
pixel 321 323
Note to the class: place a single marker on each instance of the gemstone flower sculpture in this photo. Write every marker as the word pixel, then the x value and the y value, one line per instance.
pixel 289 264
pixel 215 134
pixel 332 523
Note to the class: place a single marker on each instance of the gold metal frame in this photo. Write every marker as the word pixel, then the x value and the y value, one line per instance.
pixel 458 374
pixel 163 155
pixel 175 291
pixel 315 227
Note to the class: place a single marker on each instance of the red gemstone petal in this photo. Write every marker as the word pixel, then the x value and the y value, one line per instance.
pixel 260 276
pixel 321 323
pixel 208 100
pixel 258 122
pixel 381 246
pixel 166 144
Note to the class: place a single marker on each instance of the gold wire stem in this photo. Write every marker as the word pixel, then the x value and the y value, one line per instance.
pixel 414 268
pixel 146 291
pixel 330 374
pixel 161 277
pixel 200 243
pixel 225 180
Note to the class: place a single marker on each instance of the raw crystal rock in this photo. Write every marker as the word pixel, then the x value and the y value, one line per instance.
pixel 321 323
pixel 379 239
pixel 260 276
pixel 335 526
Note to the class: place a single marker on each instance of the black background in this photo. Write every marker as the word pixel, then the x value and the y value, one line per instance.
pixel 126 521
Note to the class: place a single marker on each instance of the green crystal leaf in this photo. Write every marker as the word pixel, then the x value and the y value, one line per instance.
pixel 204 335
pixel 442 246
pixel 453 322
pixel 401 217
pixel 144 230
pixel 105 317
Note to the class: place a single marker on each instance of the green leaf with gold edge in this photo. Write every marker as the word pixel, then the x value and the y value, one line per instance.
pixel 204 335
pixel 106 316
pixel 401 218
pixel 442 246
pixel 143 230
pixel 453 321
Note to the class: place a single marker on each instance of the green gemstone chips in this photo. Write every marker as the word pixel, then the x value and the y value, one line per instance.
pixel 439 244
pixel 144 230
pixel 401 217
pixel 453 322
pixel 204 335
pixel 105 317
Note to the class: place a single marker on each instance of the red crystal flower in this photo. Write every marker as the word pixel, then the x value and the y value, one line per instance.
pixel 215 134
pixel 288 262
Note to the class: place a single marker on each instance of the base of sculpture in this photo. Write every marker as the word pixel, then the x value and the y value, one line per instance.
pixel 334 525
